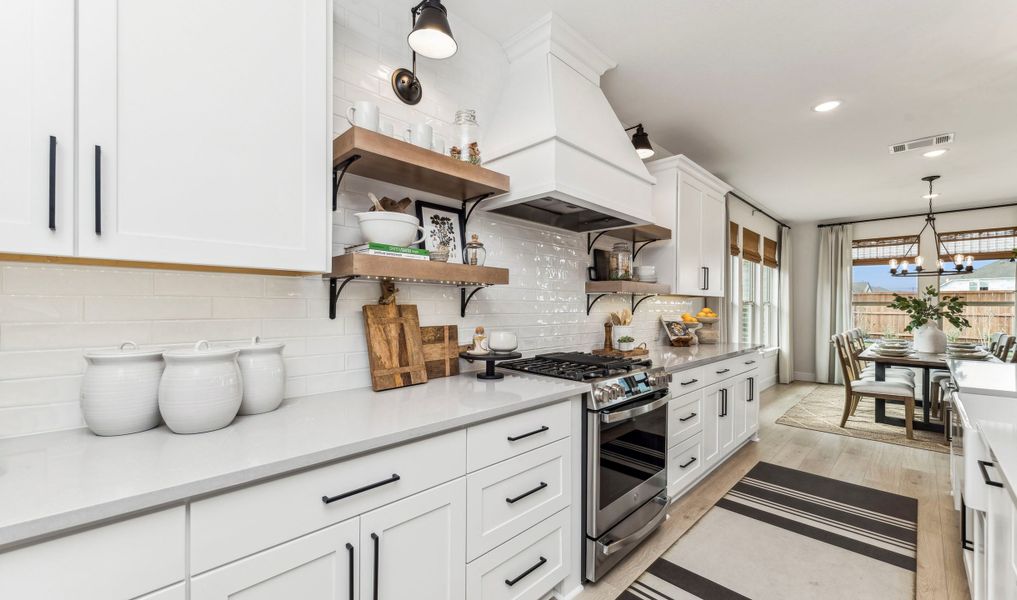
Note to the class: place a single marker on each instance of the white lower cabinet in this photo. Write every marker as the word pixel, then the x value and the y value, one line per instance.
pixel 173 592
pixel 318 566
pixel 684 464
pixel 994 542
pixel 527 566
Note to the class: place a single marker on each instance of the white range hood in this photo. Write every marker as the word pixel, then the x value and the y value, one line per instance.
pixel 572 164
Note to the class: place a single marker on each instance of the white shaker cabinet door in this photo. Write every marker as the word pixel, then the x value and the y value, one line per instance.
pixel 37 127
pixel 318 566
pixel 415 548
pixel 691 276
pixel 713 249
pixel 204 132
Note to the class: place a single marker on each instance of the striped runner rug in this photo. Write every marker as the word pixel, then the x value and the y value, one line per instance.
pixel 785 534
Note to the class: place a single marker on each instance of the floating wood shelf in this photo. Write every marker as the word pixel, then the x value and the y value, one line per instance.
pixel 640 236
pixel 599 289
pixel 394 161
pixel 349 267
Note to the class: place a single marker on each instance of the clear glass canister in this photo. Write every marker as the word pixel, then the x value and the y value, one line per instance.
pixel 467 137
pixel 620 261
pixel 474 252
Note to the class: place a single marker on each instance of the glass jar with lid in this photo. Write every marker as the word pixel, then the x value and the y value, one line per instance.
pixel 620 262
pixel 467 138
pixel 474 252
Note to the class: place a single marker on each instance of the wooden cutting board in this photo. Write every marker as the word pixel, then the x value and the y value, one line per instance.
pixel 441 350
pixel 394 348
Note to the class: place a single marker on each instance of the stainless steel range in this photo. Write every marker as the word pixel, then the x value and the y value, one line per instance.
pixel 625 463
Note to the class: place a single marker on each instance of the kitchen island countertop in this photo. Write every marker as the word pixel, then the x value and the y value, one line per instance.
pixel 675 359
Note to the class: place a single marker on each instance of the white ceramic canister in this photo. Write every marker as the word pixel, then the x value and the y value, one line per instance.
pixel 201 389
pixel 120 390
pixel 264 375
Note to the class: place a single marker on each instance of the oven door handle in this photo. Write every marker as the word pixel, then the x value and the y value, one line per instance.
pixel 635 538
pixel 642 409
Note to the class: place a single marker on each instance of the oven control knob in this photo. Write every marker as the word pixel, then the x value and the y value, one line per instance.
pixel 619 392
pixel 598 395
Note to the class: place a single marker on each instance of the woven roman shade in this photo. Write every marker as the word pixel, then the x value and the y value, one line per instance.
pixel 769 253
pixel 733 238
pixel 750 243
pixel 980 243
pixel 879 251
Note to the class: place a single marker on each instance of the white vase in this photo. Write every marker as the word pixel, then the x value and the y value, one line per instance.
pixel 930 339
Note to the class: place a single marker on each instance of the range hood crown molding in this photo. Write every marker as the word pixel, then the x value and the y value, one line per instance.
pixel 552 35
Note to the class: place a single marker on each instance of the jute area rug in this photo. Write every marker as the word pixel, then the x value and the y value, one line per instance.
pixel 822 408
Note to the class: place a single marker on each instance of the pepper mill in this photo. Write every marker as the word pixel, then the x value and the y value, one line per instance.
pixel 608 344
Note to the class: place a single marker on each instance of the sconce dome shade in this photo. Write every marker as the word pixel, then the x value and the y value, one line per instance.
pixel 431 35
pixel 641 141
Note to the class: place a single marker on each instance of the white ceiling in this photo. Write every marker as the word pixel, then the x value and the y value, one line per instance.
pixel 731 84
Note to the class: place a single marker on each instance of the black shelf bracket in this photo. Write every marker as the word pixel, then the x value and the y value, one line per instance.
pixel 636 248
pixel 474 201
pixel 635 304
pixel 464 299
pixel 338 172
pixel 591 301
pixel 334 289
pixel 591 240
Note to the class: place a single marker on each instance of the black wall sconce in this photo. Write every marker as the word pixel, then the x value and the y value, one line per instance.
pixel 431 37
pixel 641 141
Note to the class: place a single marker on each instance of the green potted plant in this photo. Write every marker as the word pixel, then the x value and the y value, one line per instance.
pixel 925 312
pixel 626 343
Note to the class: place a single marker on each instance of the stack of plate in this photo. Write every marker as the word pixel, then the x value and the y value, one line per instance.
pixel 962 351
pixel 893 348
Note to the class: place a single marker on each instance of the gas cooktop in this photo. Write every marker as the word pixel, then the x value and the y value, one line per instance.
pixel 578 366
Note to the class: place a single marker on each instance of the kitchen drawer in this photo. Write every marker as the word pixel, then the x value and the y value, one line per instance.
pixel 123 560
pixel 240 523
pixel 747 362
pixel 534 562
pixel 684 464
pixel 687 381
pixel 721 370
pixel 505 499
pixel 495 441
pixel 684 417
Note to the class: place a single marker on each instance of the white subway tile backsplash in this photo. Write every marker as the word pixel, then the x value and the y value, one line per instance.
pixel 213 330
pixel 45 336
pixel 40 363
pixel 45 390
pixel 208 284
pixel 75 281
pixel 121 308
pixel 26 420
pixel 253 308
pixel 14 309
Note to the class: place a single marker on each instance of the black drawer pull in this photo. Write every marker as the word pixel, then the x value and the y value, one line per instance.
pixel 52 183
pixel 349 548
pixel 516 438
pixel 722 371
pixel 377 559
pixel 750 362
pixel 691 416
pixel 525 494
pixel 690 382
pixel 98 190
pixel 330 499
pixel 691 460
pixel 985 474
pixel 540 563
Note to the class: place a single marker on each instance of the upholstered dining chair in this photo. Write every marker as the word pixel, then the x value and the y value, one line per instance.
pixel 1004 346
pixel 994 341
pixel 855 388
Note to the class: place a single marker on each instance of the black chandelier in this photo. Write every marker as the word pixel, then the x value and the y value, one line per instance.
pixel 961 263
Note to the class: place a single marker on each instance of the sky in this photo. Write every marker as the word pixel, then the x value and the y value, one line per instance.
pixel 879 276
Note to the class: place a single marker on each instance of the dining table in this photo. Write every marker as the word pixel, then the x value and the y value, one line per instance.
pixel 924 361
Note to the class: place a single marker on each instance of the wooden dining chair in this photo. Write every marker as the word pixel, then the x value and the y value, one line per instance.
pixel 1004 346
pixel 856 344
pixel 994 341
pixel 855 389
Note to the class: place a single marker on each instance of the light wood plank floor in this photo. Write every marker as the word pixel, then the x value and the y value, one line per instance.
pixel 918 473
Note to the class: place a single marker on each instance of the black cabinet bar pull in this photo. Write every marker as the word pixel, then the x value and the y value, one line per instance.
pixel 985 474
pixel 691 460
pixel 349 548
pixel 705 275
pixel 330 499
pixel 752 389
pixel 525 494
pixel 750 362
pixel 540 563
pixel 516 438
pixel 691 416
pixel 377 544
pixel 722 371
pixel 98 191
pixel 52 183
pixel 723 403
pixel 689 382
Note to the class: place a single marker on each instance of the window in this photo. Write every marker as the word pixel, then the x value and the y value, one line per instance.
pixel 768 306
pixel 749 308
pixel 872 286
pixel 755 288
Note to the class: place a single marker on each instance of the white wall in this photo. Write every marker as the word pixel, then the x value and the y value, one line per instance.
pixel 806 250
pixel 50 314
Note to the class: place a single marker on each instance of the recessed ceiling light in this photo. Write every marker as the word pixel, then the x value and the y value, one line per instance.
pixel 935 153
pixel 930 196
pixel 826 106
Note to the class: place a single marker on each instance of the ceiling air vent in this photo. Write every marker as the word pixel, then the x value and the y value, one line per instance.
pixel 921 143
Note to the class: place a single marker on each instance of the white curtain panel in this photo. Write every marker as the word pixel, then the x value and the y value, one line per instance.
pixel 786 356
pixel 833 298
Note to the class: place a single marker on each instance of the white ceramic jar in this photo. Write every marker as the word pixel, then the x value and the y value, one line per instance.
pixel 201 389
pixel 264 375
pixel 120 390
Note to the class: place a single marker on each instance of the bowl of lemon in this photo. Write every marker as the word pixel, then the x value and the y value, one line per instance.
pixel 706 316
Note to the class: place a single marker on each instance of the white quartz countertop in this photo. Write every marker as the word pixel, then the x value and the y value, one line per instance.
pixel 675 359
pixel 57 481
pixel 980 377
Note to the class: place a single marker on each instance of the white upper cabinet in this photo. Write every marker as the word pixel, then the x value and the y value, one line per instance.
pixel 204 132
pixel 37 127
pixel 691 202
